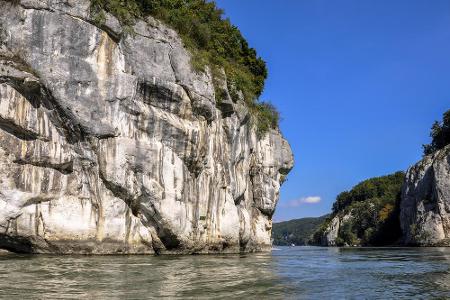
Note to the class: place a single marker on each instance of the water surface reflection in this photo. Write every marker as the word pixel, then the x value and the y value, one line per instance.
pixel 299 272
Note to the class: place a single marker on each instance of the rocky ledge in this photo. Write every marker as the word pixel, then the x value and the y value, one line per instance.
pixel 111 143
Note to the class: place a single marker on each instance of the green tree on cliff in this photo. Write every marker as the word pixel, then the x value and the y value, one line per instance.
pixel 440 135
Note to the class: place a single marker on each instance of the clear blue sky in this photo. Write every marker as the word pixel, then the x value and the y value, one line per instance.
pixel 358 84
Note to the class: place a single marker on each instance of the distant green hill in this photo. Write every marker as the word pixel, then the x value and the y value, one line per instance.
pixel 297 232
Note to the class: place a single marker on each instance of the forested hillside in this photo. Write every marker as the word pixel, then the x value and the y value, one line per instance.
pixel 368 214
pixel 298 232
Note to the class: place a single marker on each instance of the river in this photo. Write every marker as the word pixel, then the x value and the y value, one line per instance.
pixel 286 273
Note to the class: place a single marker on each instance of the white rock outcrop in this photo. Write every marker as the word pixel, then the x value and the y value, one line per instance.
pixel 330 235
pixel 425 205
pixel 111 143
pixel 331 232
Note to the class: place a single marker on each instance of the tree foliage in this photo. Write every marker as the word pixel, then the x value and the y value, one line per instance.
pixel 212 39
pixel 267 117
pixel 440 135
pixel 382 188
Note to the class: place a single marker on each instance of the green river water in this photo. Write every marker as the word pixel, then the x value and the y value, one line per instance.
pixel 286 273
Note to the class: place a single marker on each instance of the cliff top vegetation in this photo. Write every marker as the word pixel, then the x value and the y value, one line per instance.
pixel 382 188
pixel 440 135
pixel 212 40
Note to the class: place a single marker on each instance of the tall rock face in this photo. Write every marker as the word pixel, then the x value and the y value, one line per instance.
pixel 425 205
pixel 331 233
pixel 111 143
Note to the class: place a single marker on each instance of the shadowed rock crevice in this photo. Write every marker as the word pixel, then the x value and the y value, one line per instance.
pixel 64 168
pixel 26 245
pixel 19 132
pixel 143 206
pixel 41 97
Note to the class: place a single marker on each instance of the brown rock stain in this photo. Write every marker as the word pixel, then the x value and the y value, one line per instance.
pixel 105 60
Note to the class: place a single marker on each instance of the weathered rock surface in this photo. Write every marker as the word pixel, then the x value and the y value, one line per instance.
pixel 331 233
pixel 111 143
pixel 425 205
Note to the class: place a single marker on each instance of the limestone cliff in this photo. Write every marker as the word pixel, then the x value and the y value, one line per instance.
pixel 331 233
pixel 111 143
pixel 423 217
pixel 425 205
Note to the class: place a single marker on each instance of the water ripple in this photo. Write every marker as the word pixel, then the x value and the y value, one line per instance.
pixel 288 273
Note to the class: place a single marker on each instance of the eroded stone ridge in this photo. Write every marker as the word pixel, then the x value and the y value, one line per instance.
pixel 111 143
